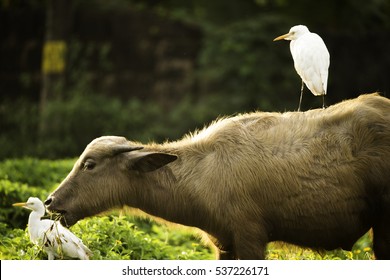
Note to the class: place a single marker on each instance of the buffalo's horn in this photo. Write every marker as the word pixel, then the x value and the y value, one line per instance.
pixel 124 149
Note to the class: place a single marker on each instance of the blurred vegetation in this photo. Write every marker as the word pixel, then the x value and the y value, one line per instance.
pixel 152 70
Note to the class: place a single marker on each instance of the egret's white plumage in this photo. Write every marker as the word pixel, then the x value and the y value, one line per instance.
pixel 311 59
pixel 55 239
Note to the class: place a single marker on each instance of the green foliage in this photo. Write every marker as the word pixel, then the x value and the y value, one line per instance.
pixel 73 123
pixel 113 238
pixel 116 237
pixel 15 245
pixel 34 172
pixel 22 178
pixel 11 192
pixel 362 250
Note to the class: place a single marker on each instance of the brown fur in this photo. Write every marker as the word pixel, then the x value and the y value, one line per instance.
pixel 319 179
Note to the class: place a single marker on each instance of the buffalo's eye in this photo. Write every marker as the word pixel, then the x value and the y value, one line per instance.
pixel 88 165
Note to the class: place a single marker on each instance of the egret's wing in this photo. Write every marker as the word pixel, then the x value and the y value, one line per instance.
pixel 47 238
pixel 323 61
pixel 53 239
pixel 72 245
pixel 44 235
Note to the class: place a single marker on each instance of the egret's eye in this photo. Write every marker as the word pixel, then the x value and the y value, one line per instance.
pixel 88 165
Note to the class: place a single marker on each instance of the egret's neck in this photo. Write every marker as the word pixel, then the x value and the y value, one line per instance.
pixel 33 221
pixel 35 216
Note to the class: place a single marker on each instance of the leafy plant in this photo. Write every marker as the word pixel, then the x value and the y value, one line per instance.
pixel 111 238
pixel 11 192
pixel 36 172
pixel 362 250
pixel 22 178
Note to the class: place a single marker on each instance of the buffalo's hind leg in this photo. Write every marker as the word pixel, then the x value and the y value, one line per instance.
pixel 381 228
pixel 382 240
pixel 250 244
pixel 251 251
pixel 223 247
pixel 227 255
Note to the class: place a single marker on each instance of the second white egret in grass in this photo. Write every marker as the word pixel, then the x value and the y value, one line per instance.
pixel 311 59
pixel 56 240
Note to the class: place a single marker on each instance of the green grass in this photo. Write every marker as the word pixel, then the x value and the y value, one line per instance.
pixel 116 236
pixel 362 250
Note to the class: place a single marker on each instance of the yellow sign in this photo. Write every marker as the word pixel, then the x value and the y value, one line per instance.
pixel 53 59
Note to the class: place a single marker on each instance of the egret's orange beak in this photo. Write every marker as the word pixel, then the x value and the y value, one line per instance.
pixel 20 204
pixel 282 37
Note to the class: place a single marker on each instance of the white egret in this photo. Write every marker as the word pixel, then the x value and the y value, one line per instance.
pixel 55 239
pixel 311 59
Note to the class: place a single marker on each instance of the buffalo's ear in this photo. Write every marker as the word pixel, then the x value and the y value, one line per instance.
pixel 149 161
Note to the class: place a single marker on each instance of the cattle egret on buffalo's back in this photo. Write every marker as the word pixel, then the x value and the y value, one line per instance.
pixel 311 59
pixel 56 240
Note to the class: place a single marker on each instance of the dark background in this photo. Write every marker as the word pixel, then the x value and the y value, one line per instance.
pixel 154 70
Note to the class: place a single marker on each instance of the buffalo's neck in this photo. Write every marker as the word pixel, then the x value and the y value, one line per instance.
pixel 163 195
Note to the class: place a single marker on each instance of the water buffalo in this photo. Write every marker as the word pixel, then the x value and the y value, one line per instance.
pixel 318 179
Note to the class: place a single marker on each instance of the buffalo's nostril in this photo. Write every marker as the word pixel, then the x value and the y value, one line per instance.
pixel 48 201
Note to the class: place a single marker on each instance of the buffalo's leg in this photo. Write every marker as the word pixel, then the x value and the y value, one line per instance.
pixel 250 244
pixel 382 240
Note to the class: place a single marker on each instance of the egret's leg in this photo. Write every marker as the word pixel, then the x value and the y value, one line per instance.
pixel 50 255
pixel 300 99
pixel 323 101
